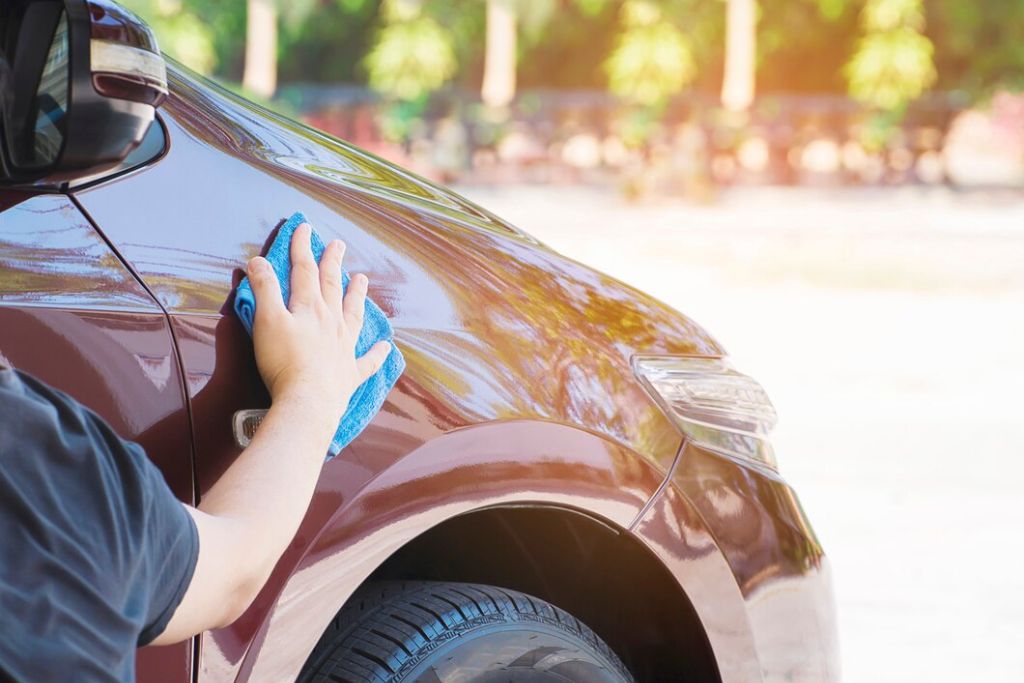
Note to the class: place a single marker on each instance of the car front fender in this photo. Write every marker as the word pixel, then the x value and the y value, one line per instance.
pixel 348 533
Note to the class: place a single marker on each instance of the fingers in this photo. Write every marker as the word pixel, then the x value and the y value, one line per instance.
pixel 371 361
pixel 265 287
pixel 330 274
pixel 355 302
pixel 305 274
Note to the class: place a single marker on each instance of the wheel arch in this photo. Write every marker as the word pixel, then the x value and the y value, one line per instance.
pixel 594 570
pixel 583 484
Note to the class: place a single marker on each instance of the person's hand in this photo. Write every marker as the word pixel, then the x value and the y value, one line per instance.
pixel 306 351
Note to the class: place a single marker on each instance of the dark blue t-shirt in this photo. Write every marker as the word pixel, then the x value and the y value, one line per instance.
pixel 95 551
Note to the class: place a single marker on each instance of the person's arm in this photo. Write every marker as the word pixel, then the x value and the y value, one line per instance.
pixel 306 356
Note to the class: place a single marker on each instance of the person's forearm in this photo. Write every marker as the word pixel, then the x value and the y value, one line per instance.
pixel 305 353
pixel 248 517
pixel 267 490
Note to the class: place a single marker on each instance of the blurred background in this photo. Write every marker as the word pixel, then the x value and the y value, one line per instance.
pixel 834 188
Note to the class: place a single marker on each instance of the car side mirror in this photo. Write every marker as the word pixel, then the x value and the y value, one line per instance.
pixel 83 81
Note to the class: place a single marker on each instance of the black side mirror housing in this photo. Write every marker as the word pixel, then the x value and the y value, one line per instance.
pixel 83 81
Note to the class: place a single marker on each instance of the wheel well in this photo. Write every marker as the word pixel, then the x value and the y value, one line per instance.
pixel 597 573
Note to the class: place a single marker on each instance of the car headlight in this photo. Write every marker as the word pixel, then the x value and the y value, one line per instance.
pixel 712 404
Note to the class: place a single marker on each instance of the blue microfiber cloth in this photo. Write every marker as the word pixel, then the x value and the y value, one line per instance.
pixel 370 395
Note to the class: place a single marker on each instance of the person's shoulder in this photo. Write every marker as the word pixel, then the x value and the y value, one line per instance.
pixel 10 380
pixel 24 385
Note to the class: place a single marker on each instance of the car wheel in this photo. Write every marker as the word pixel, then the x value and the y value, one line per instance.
pixel 432 632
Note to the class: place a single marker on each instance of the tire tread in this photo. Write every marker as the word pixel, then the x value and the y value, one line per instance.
pixel 385 626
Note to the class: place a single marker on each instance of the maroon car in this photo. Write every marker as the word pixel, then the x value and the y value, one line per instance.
pixel 569 482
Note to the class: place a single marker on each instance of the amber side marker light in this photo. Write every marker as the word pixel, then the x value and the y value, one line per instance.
pixel 128 73
pixel 124 57
pixel 713 405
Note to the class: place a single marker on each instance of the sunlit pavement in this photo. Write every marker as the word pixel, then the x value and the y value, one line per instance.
pixel 888 327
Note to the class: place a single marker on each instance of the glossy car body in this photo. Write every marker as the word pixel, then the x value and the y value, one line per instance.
pixel 518 449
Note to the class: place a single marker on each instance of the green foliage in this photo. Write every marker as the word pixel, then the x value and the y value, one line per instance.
pixel 592 8
pixel 831 10
pixel 329 44
pixel 466 24
pixel 356 6
pixel 294 13
pixel 534 17
pixel 884 52
pixel 413 54
pixel 653 59
pixel 891 15
pixel 398 118
pixel 979 45
pixel 877 129
pixel 571 48
pixel 802 45
pixel 180 32
pixel 893 63
pixel 638 125
pixel 891 68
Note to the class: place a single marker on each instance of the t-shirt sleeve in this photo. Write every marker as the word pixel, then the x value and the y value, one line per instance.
pixel 95 550
pixel 170 551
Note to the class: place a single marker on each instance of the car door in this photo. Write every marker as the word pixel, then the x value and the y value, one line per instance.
pixel 74 316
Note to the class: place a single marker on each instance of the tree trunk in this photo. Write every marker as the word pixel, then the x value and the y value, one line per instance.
pixel 260 73
pixel 500 56
pixel 740 49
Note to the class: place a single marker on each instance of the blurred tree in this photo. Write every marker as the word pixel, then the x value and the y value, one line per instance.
pixel 569 49
pixel 740 51
pixel 181 33
pixel 413 54
pixel 893 61
pixel 260 74
pixel 499 82
pixel 510 20
pixel 803 45
pixel 508 25
pixel 328 45
pixel 979 45
pixel 643 50
pixel 653 59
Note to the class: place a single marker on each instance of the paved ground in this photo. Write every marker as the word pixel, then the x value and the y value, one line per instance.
pixel 888 326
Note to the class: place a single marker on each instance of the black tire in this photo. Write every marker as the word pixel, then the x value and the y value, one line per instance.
pixel 422 632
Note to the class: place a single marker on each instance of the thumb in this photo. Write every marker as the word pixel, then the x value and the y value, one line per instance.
pixel 371 361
